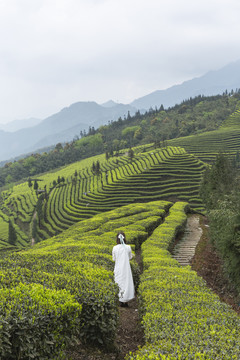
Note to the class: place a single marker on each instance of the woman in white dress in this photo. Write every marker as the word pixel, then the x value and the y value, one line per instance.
pixel 122 271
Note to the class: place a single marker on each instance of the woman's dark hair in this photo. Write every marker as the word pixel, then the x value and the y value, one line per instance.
pixel 118 240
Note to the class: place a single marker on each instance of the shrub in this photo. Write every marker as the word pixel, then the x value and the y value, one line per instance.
pixel 182 318
pixel 36 323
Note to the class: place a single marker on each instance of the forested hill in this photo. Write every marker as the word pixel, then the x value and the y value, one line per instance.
pixel 194 116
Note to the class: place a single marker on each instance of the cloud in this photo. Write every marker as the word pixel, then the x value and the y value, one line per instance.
pixel 55 52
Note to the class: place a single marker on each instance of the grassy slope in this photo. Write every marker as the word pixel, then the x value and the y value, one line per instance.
pixel 168 173
pixel 151 175
pixel 206 145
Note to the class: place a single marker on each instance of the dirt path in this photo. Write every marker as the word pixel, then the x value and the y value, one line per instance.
pixel 130 334
pixel 128 338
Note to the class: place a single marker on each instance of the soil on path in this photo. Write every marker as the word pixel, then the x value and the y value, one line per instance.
pixel 128 338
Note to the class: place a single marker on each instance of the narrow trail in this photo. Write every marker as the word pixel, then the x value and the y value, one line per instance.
pixel 184 250
pixel 129 335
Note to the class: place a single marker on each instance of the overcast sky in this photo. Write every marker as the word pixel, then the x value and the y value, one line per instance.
pixel 57 52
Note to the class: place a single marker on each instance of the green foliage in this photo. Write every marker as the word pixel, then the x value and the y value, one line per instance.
pixel 34 228
pixel 182 318
pixel 35 186
pixel 130 131
pixel 29 183
pixel 220 192
pixel 92 144
pixel 12 236
pixel 75 266
pixel 130 154
pixel 36 322
pixel 225 234
pixel 217 181
pixel 206 146
pixel 166 174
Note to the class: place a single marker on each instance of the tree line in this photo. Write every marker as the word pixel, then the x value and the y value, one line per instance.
pixel 220 192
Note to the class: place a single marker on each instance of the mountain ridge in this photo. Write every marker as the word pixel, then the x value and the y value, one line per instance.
pixel 212 83
pixel 64 125
pixel 59 127
pixel 19 124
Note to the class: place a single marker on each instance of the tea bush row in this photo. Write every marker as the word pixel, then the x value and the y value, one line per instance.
pixel 35 321
pixel 150 176
pixel 181 316
pixel 75 265
pixel 207 145
pixel 98 195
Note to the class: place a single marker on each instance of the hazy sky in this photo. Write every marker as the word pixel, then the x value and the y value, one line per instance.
pixel 56 52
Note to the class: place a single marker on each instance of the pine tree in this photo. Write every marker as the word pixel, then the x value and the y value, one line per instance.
pixel 39 208
pixel 93 168
pixel 130 153
pixel 35 186
pixel 34 228
pixel 29 183
pixel 97 168
pixel 12 236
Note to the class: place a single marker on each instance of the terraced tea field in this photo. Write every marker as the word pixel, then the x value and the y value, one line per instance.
pixel 65 284
pixel 161 174
pixel 207 145
pixel 63 287
pixel 171 173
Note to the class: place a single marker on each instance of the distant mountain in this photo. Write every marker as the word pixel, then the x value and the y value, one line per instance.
pixel 212 83
pixel 67 123
pixel 19 124
pixel 109 104
pixel 60 127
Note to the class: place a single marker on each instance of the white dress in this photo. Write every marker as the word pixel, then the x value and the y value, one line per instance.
pixel 122 271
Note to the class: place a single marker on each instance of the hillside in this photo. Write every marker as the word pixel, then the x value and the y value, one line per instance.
pixel 167 174
pixel 154 172
pixel 191 117
pixel 207 145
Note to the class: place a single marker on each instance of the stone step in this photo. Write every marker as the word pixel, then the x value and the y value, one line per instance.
pixel 185 249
